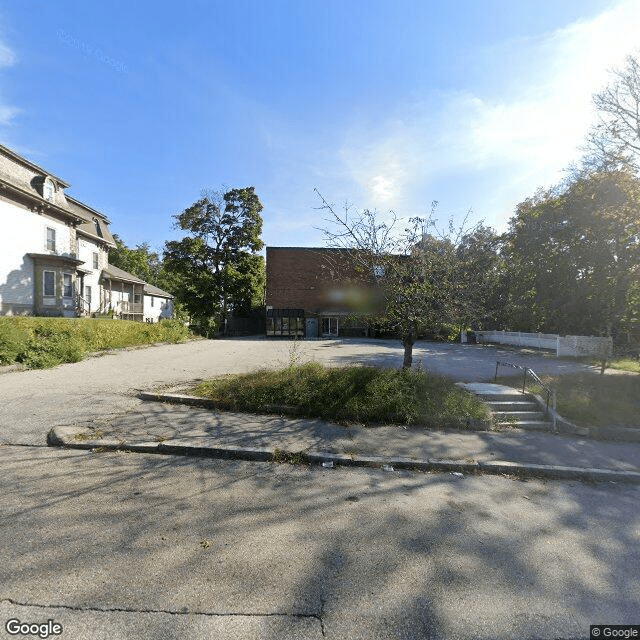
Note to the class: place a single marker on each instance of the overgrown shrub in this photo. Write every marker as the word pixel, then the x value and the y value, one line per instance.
pixel 349 394
pixel 47 342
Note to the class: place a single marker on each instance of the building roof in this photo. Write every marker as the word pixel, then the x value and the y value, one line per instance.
pixel 20 174
pixel 150 290
pixel 25 178
pixel 114 273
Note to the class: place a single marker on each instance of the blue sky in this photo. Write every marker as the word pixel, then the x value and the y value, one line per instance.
pixel 384 104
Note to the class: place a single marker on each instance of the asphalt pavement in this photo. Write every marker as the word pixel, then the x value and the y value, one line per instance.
pixel 124 545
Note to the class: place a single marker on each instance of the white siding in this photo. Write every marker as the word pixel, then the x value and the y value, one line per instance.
pixel 86 249
pixel 162 308
pixel 24 232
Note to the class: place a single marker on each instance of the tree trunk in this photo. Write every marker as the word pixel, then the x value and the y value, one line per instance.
pixel 407 343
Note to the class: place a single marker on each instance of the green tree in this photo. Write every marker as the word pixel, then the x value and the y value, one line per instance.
pixel 574 256
pixel 216 264
pixel 416 272
pixel 481 288
pixel 140 262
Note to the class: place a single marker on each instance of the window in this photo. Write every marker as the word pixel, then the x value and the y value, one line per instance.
pixel 95 260
pixel 48 189
pixel 137 298
pixel 152 301
pixel 49 283
pixel 51 239
pixel 87 295
pixel 96 224
pixel 68 285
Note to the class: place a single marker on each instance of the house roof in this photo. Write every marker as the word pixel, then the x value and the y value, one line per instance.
pixel 149 289
pixel 20 164
pixel 114 273
pixel 56 259
pixel 26 178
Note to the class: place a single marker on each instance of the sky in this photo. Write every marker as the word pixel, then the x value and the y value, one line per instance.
pixel 382 104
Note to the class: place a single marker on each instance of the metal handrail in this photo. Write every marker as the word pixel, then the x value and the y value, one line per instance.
pixel 81 304
pixel 526 371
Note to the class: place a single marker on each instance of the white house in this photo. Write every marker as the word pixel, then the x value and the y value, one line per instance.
pixel 54 251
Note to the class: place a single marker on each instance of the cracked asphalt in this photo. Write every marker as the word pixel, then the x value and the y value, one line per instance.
pixel 127 546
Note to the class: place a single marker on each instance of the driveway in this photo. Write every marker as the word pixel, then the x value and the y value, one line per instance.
pixel 99 387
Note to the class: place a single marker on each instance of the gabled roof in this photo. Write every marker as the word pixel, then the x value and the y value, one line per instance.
pixel 114 273
pixel 150 290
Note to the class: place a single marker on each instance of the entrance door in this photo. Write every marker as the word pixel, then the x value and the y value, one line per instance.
pixel 330 327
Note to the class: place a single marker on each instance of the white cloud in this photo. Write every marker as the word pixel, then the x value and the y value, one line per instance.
pixel 7 112
pixel 527 135
pixel 7 57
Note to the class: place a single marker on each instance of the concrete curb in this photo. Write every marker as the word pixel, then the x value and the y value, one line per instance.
pixel 65 437
pixel 563 426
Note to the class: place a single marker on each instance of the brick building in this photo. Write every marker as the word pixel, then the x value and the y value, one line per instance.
pixel 317 292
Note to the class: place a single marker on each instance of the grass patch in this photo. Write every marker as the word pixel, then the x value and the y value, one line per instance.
pixel 592 400
pixel 284 457
pixel 366 395
pixel 46 342
pixel 624 364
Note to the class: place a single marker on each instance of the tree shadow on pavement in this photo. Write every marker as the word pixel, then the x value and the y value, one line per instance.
pixel 366 553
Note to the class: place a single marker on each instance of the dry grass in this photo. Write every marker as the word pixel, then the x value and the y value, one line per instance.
pixel 593 400
pixel 47 342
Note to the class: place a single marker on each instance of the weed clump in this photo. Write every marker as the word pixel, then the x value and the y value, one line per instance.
pixel 365 395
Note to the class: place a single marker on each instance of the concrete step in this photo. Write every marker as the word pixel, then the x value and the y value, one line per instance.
pixel 519 405
pixel 529 425
pixel 516 396
pixel 518 416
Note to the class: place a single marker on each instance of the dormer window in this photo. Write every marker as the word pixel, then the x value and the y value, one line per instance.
pixel 96 224
pixel 48 189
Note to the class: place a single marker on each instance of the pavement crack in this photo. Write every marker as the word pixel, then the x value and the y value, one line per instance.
pixel 181 612
pixel 24 444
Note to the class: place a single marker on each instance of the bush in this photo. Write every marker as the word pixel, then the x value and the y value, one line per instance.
pixel 47 342
pixel 348 394
pixel 12 340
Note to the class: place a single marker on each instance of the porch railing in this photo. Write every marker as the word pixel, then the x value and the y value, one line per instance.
pixel 130 307
pixel 82 305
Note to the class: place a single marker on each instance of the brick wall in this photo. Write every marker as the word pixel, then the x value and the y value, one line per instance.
pixel 314 279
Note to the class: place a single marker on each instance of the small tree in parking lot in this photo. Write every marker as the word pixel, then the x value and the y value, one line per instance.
pixel 416 269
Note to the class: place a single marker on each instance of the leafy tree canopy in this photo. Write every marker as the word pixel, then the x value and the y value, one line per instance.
pixel 216 262
pixel 573 256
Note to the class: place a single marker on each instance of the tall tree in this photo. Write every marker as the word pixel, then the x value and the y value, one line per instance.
pixel 415 270
pixel 479 271
pixel 574 256
pixel 614 142
pixel 216 263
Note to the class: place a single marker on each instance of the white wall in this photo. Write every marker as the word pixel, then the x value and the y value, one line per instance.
pixel 162 308
pixel 86 249
pixel 24 232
